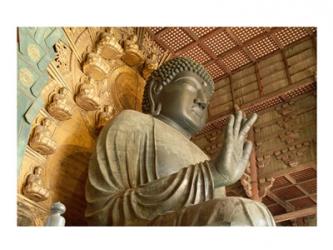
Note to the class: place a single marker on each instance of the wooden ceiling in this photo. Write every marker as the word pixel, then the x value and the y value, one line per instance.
pixel 260 69
pixel 226 50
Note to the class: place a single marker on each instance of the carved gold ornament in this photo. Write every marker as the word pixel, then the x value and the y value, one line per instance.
pixel 133 56
pixel 126 84
pixel 29 213
pixel 149 67
pixel 96 67
pixel 108 47
pixel 87 97
pixel 59 107
pixel 104 116
pixel 34 188
pixel 41 140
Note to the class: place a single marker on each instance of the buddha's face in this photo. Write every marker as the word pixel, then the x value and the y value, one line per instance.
pixel 38 171
pixel 185 101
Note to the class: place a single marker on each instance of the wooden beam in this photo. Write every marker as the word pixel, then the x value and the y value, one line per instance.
pixel 283 172
pixel 293 181
pixel 291 185
pixel 260 86
pixel 262 58
pixel 254 170
pixel 284 59
pixel 295 214
pixel 232 92
pixel 248 42
pixel 240 45
pixel 264 99
pixel 298 198
pixel 204 37
pixel 286 205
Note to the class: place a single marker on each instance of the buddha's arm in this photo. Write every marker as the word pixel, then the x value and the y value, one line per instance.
pixel 139 205
pixel 123 187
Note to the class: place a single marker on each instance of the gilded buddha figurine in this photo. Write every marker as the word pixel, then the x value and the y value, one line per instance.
pixel 104 116
pixel 41 139
pixel 34 188
pixel 59 107
pixel 108 45
pixel 133 56
pixel 146 171
pixel 87 96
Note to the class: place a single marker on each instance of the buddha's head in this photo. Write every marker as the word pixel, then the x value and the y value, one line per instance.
pixel 108 108
pixel 63 91
pixel 37 170
pixel 179 92
pixel 46 122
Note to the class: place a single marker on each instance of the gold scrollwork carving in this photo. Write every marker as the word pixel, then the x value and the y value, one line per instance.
pixel 29 213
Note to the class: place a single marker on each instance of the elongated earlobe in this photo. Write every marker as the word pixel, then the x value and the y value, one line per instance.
pixel 154 90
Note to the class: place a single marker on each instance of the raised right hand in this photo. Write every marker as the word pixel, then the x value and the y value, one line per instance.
pixel 232 160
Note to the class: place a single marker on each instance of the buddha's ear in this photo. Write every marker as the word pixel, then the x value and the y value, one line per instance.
pixel 155 88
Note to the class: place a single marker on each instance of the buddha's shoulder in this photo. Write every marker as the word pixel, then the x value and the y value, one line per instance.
pixel 131 118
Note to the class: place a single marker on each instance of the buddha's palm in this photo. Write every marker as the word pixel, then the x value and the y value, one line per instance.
pixel 230 164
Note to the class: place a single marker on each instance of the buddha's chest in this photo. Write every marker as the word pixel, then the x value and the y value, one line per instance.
pixel 174 152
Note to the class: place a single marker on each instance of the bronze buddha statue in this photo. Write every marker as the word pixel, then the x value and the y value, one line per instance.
pixel 146 171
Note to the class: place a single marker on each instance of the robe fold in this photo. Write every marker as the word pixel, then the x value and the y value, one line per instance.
pixel 145 172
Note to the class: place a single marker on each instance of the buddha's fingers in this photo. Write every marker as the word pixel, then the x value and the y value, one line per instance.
pixel 247 126
pixel 238 121
pixel 230 126
pixel 246 152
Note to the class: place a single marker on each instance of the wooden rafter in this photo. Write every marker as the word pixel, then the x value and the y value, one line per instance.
pixel 232 92
pixel 261 101
pixel 260 86
pixel 293 184
pixel 286 205
pixel 284 59
pixel 301 197
pixel 291 170
pixel 295 214
pixel 254 169
pixel 240 45
pixel 293 181
pixel 248 42
pixel 199 40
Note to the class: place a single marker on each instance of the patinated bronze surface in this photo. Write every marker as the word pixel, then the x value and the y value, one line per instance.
pixel 146 171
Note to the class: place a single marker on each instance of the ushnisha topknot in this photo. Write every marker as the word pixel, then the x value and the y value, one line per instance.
pixel 167 72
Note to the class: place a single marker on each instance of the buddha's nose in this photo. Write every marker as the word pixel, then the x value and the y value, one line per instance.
pixel 201 103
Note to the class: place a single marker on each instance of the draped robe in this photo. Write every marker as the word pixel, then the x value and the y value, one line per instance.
pixel 145 172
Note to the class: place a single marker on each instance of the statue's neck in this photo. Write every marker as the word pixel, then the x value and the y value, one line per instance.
pixel 174 125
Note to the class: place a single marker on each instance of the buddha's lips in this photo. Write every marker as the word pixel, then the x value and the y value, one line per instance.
pixel 197 111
